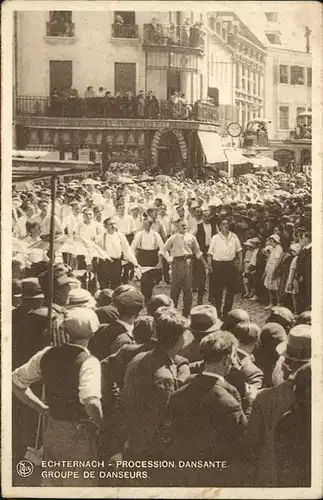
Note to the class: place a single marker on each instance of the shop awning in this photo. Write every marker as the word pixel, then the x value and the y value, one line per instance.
pixel 235 158
pixel 212 147
pixel 263 162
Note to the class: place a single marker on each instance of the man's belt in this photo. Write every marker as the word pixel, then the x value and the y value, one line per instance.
pixel 184 257
pixel 226 261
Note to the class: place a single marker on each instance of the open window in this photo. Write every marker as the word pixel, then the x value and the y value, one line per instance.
pixel 125 24
pixel 297 76
pixel 60 23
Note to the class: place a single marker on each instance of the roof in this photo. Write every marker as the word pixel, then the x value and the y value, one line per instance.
pixel 36 169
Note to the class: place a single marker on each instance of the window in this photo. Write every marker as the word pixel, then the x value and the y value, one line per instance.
pixel 128 18
pixel 297 75
pixel 300 110
pixel 284 117
pixel 212 23
pixel 60 23
pixel 273 38
pixel 124 25
pixel 309 77
pixel 125 77
pixel 272 16
pixel 283 74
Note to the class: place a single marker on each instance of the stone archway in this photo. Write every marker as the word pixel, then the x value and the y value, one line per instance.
pixel 155 142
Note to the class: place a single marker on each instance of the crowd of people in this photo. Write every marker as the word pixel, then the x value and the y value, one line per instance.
pixel 102 103
pixel 127 376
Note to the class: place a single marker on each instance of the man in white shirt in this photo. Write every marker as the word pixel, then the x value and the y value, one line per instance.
pixel 72 379
pixel 203 235
pixel 44 218
pixel 182 247
pixel 74 219
pixel 126 225
pixel 115 244
pixel 147 245
pixel 224 248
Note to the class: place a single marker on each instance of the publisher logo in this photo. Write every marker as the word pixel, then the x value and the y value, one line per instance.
pixel 24 468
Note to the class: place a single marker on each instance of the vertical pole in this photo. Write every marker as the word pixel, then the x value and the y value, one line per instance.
pixel 51 252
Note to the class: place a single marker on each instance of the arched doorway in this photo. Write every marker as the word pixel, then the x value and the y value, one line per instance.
pixel 305 157
pixel 168 153
pixel 168 150
pixel 284 156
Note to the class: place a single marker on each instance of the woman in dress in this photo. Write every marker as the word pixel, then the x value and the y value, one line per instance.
pixel 271 276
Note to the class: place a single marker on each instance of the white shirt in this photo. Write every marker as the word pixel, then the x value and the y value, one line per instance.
pixel 128 327
pixel 90 231
pixel 224 249
pixel 147 240
pixel 208 233
pixel 89 378
pixel 70 222
pixel 125 224
pixel 44 223
pixel 166 223
pixel 179 245
pixel 115 244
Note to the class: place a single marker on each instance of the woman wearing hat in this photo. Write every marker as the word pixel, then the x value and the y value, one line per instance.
pixel 271 280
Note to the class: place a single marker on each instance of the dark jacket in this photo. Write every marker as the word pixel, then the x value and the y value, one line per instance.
pixel 150 380
pixel 207 420
pixel 245 372
pixel 108 340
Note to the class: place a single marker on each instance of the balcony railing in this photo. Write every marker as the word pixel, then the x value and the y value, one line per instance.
pixel 99 107
pixel 60 29
pixel 174 36
pixel 301 133
pixel 125 31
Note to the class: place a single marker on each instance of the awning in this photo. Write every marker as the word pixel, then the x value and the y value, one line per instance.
pixel 236 158
pixel 263 162
pixel 212 147
pixel 30 154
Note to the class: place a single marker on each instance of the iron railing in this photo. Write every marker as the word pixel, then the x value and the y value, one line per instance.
pixel 125 31
pixel 172 35
pixel 60 29
pixel 98 107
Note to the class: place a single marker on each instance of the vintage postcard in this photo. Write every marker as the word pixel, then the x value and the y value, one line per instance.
pixel 161 227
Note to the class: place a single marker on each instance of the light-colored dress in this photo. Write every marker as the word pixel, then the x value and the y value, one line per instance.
pixel 270 283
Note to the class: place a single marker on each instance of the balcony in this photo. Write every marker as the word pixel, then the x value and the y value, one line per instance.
pixel 125 31
pixel 98 107
pixel 301 134
pixel 172 38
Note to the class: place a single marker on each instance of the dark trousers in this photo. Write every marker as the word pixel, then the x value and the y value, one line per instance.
pixel 148 281
pixel 182 280
pixel 128 268
pixel 224 276
pixel 199 279
pixel 109 273
pixel 166 271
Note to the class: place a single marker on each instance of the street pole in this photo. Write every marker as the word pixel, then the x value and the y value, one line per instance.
pixel 51 253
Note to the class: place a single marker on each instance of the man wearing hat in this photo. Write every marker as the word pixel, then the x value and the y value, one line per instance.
pixel 26 340
pixel 204 320
pixel 129 301
pixel 269 407
pixel 72 380
pixel 304 271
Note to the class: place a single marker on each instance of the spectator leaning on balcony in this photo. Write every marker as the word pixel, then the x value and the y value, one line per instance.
pixel 100 92
pixel 152 106
pixel 89 92
pixel 141 104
